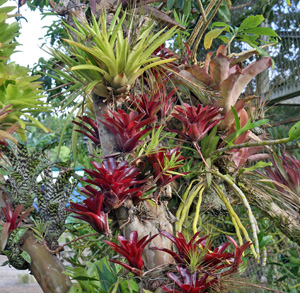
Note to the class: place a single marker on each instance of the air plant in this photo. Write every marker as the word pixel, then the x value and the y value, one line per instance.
pixel 192 282
pixel 116 182
pixel 158 105
pixel 92 133
pixel 197 121
pixel 284 174
pixel 92 212
pixel 13 217
pixel 132 250
pixel 127 128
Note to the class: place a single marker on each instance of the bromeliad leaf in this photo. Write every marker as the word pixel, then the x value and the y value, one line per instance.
pixel 294 132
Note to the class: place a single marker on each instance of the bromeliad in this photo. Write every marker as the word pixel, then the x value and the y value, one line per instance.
pixel 116 182
pixel 13 218
pixel 197 121
pixel 127 128
pixel 132 250
pixel 92 212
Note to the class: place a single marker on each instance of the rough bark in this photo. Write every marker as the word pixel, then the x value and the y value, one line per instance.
pixel 288 224
pixel 107 139
pixel 147 219
pixel 45 267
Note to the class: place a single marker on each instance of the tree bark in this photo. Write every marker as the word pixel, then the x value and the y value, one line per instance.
pixel 45 267
pixel 288 224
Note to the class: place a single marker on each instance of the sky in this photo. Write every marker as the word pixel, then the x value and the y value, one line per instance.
pixel 32 29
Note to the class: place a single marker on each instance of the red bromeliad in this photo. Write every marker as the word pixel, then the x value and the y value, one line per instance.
pixel 284 172
pixel 127 128
pixel 158 105
pixel 92 212
pixel 93 133
pixel 132 250
pixel 197 254
pixel 192 283
pixel 13 217
pixel 197 121
pixel 115 181
pixel 185 249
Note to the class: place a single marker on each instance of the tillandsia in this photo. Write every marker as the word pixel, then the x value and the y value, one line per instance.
pixel 200 267
pixel 197 254
pixel 156 105
pixel 164 163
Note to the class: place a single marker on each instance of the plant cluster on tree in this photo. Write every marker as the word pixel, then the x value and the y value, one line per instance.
pixel 172 144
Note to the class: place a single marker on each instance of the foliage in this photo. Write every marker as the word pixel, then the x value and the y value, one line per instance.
pixel 19 91
pixel 104 55
pixel 142 190
pixel 132 250
pixel 249 32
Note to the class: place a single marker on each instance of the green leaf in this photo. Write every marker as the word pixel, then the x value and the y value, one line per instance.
pixel 224 13
pixel 258 165
pixel 170 4
pixel 5 263
pixel 262 31
pixel 294 132
pixel 37 123
pixel 26 256
pixel 187 7
pixel 75 289
pixel 251 22
pixel 210 36
pixel 236 119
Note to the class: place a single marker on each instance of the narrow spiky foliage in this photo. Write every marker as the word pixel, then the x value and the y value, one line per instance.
pixel 197 121
pixel 190 283
pixel 92 212
pixel 116 182
pixel 132 250
pixel 285 172
pixel 164 164
pixel 198 256
pixel 92 133
pixel 127 128
pixel 155 106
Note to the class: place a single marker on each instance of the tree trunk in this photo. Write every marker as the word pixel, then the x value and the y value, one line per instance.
pixel 145 218
pixel 45 267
